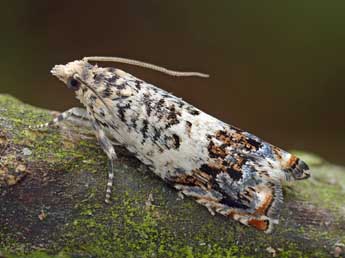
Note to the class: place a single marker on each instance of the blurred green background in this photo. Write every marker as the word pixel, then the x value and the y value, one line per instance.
pixel 278 68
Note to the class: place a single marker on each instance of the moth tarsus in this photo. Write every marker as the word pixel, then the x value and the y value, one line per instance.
pixel 226 169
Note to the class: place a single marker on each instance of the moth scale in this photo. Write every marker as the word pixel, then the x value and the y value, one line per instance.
pixel 226 169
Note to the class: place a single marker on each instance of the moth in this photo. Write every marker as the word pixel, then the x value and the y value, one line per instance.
pixel 226 169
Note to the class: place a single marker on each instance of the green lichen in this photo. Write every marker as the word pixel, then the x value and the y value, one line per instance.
pixel 8 243
pixel 129 229
pixel 37 254
pixel 47 145
pixel 330 186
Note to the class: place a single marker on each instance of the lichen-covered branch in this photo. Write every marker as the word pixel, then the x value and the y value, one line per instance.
pixel 52 186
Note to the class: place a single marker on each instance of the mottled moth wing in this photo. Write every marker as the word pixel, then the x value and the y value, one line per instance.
pixel 242 178
pixel 228 170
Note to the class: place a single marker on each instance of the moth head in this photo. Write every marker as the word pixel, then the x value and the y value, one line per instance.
pixel 70 73
pixel 80 77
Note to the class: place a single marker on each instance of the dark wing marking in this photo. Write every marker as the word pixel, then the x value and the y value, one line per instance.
pixel 255 202
pixel 236 181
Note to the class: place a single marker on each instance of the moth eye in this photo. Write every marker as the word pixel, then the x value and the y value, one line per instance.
pixel 73 83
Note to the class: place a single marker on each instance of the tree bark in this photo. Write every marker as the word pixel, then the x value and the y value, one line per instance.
pixel 52 186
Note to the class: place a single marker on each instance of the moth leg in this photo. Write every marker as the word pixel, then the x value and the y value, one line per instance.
pixel 109 150
pixel 80 118
pixel 180 195
pixel 73 113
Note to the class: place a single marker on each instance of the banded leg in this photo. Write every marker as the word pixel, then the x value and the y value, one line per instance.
pixel 77 116
pixel 108 148
pixel 75 113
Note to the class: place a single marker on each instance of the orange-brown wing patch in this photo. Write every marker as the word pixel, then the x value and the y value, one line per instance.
pixel 260 224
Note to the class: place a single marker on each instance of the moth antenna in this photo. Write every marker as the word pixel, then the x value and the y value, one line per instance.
pixel 144 65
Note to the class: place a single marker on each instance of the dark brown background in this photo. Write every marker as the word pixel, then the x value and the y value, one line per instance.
pixel 277 68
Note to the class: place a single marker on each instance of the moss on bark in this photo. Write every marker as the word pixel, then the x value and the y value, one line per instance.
pixel 52 185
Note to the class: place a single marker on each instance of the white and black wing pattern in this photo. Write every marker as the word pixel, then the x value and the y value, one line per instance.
pixel 229 171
